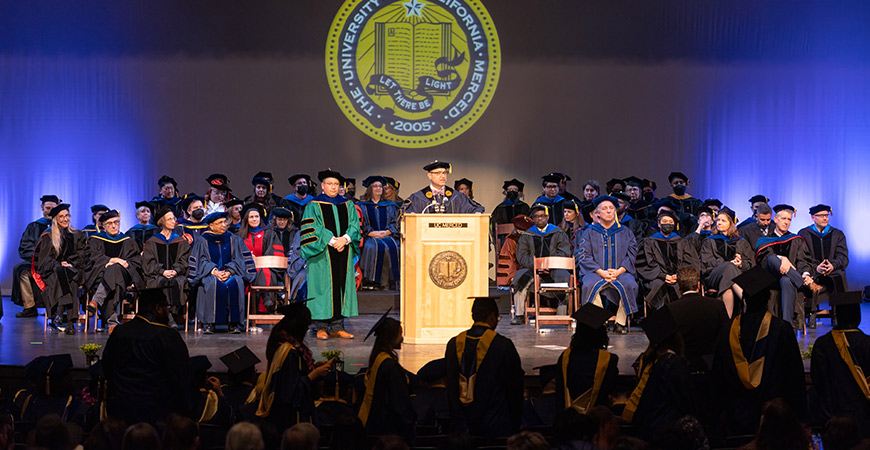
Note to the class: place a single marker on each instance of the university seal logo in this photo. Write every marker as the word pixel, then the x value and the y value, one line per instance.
pixel 413 73
pixel 448 269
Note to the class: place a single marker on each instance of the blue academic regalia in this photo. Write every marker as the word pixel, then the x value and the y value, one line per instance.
pixel 555 207
pixel 607 248
pixel 376 252
pixel 217 300
pixel 452 202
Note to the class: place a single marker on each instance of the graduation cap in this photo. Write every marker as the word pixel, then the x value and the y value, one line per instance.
pixel 293 179
pixel 605 198
pixel 260 180
pixel 44 367
pixel 240 360
pixel 151 296
pixel 523 222
pixel 373 178
pixel 464 181
pixel 211 218
pixel 539 207
pixel 756 283
pixel 783 207
pixel 571 204
pixel 592 316
pixel 146 204
pixel 513 182
pixel 57 209
pixel 622 196
pixel 712 202
pixel 848 306
pixel 674 175
pixel 109 215
pixel 730 213
pixel 433 370
pixel 350 181
pixel 190 198
pixel 612 183
pixel 819 208
pixel 378 324
pixel 587 212
pixel 282 212
pixel 234 202
pixel 265 175
pixel 220 181
pixel 329 173
pixel 666 202
pixel 438 165
pixel 659 325
pixel 648 184
pixel 49 198
pixel 633 181
pixel 97 208
pixel 294 308
pixel 706 209
pixel 254 205
pixel 758 198
pixel 166 179
pixel 553 177
pixel 546 373
pixel 392 181
pixel 199 365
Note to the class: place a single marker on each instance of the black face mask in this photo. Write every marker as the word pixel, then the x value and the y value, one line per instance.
pixel 649 197
pixel 302 189
pixel 350 194
pixel 679 189
pixel 198 214
pixel 513 195
pixel 666 228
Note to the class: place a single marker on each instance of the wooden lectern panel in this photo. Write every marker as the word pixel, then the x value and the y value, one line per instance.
pixel 444 261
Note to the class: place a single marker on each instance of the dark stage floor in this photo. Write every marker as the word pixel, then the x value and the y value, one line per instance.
pixel 23 339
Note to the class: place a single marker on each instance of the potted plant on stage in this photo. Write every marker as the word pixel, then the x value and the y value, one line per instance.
pixel 92 353
pixel 338 364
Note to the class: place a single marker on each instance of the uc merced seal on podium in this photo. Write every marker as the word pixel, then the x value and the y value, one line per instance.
pixel 448 269
pixel 412 73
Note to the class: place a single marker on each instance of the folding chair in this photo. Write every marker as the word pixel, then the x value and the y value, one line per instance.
pixel 502 230
pixel 547 263
pixel 266 263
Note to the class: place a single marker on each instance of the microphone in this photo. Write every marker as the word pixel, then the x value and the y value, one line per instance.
pixel 434 203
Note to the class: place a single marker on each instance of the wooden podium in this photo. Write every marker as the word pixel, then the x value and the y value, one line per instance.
pixel 444 261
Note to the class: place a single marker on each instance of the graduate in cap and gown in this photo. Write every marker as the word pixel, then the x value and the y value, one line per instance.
pixel 333 402
pixel 438 198
pixel 665 391
pixel 605 255
pixel 837 363
pixel 53 391
pixel 94 228
pixel 551 197
pixel 303 193
pixel 242 373
pixel 586 372
pixel 659 258
pixel 758 360
pixel 210 405
pixel 146 365
pixel 330 238
pixel 484 377
pixel 262 241
pixel 220 265
pixel 165 261
pixel 114 263
pixel 386 407
pixel 380 252
pixel 192 223
pixel 829 256
pixel 284 394
pixel 57 267
pixel 143 230
pixel 430 402
pixel 513 204
pixel 724 256
pixel 22 285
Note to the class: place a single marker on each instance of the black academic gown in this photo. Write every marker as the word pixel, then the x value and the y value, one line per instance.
pixel 669 395
pixel 193 229
pixel 701 321
pixel 294 393
pixel 554 206
pixel 59 284
pixel 330 410
pixel 391 410
pixel 116 278
pixel 658 256
pixel 431 405
pixel 581 377
pixel 783 374
pixel 837 389
pixel 507 210
pixel 830 245
pixel 141 233
pixel 148 372
pixel 497 408
pixel 162 254
pixel 540 411
pixel 717 252
pixel 26 249
pixel 752 232
pixel 452 202
pixel 534 243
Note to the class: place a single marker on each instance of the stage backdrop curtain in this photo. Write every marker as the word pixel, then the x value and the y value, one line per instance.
pixel 100 98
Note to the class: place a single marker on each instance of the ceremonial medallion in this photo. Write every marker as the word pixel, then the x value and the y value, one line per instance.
pixel 448 269
pixel 413 73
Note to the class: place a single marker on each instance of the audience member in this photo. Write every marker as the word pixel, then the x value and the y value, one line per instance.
pixel 302 436
pixel 244 436
pixel 141 436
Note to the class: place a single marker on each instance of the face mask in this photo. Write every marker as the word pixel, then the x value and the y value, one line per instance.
pixel 648 197
pixel 666 228
pixel 350 193
pixel 513 195
pixel 302 189
pixel 198 214
pixel 679 189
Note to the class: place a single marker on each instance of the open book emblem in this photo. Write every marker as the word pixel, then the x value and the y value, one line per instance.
pixel 413 73
pixel 448 269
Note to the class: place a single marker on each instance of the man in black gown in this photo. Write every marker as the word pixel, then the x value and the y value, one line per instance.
pixel 22 287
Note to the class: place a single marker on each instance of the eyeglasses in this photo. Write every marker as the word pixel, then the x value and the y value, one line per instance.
pixel 822 215
pixel 438 172
pixel 539 216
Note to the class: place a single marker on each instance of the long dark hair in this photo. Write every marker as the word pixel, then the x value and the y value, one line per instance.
pixel 385 337
pixel 587 339
pixel 653 352
pixel 780 428
pixel 291 326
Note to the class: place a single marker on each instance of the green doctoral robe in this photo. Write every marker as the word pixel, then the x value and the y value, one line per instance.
pixel 331 276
